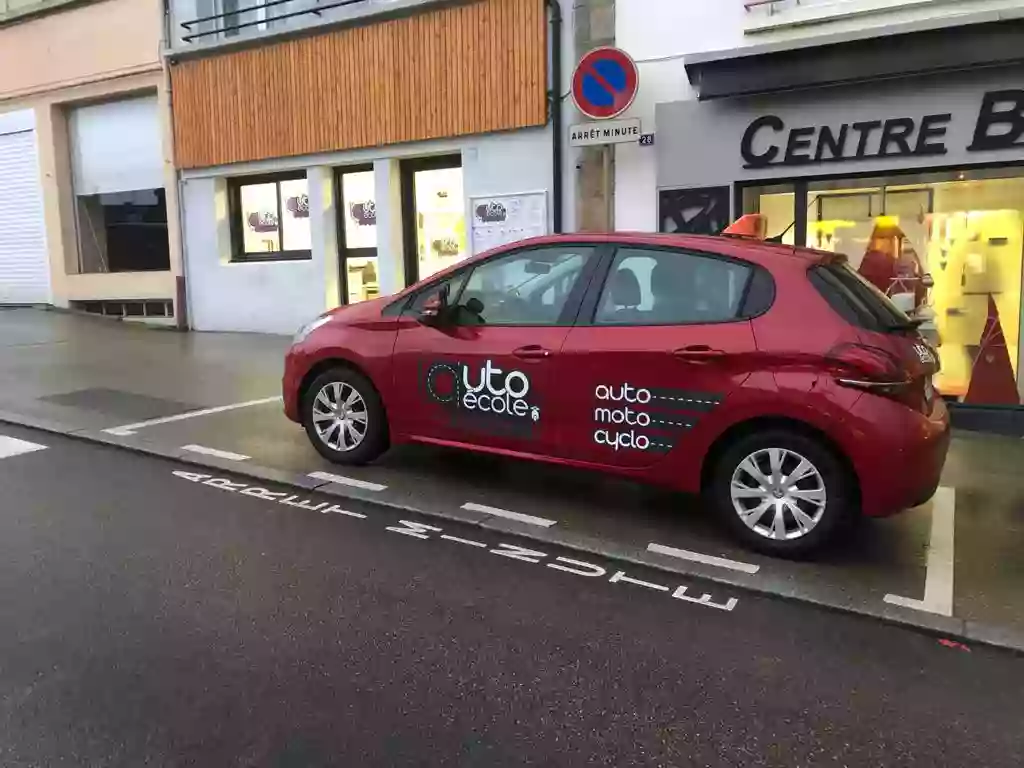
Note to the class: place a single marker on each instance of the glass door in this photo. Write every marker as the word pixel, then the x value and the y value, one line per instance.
pixel 357 235
pixel 433 215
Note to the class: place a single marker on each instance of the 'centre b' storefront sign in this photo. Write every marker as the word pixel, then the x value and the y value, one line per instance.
pixel 942 121
pixel 999 125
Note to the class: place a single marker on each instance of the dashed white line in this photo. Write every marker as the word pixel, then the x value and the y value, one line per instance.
pixel 12 446
pixel 698 557
pixel 471 543
pixel 365 485
pixel 686 400
pixel 131 429
pixel 498 512
pixel 938 580
pixel 215 452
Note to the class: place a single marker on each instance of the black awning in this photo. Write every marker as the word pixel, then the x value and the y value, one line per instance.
pixel 896 55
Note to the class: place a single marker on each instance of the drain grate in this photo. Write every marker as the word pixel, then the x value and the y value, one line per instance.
pixel 115 402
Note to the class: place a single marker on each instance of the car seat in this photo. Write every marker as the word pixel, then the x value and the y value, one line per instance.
pixel 625 298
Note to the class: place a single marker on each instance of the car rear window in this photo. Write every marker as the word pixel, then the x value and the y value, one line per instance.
pixel 857 300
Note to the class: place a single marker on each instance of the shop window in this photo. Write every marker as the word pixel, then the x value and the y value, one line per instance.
pixel 434 210
pixel 123 231
pixel 947 248
pixel 358 244
pixel 270 218
pixel 702 211
pixel 662 287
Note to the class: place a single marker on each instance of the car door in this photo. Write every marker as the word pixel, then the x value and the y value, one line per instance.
pixel 482 374
pixel 659 346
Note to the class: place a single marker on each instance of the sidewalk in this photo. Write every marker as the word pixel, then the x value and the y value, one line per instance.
pixel 212 400
pixel 92 373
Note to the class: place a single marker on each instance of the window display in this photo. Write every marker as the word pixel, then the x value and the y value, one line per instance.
pixel 440 219
pixel 270 218
pixel 946 247
pixel 359 246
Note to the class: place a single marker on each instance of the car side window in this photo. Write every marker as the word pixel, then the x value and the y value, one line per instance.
pixel 527 287
pixel 649 286
pixel 454 282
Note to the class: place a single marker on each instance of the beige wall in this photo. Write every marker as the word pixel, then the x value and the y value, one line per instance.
pixel 89 42
pixel 97 52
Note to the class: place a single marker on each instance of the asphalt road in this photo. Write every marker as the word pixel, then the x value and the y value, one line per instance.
pixel 148 618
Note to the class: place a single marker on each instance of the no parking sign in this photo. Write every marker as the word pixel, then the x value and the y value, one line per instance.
pixel 604 83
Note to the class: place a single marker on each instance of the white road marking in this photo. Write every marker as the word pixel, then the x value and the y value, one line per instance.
pixel 697 557
pixel 471 543
pixel 12 446
pixel 216 453
pixel 938 580
pixel 498 512
pixel 131 429
pixel 327 477
pixel 423 532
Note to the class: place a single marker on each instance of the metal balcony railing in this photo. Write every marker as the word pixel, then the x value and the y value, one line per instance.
pixel 232 20
pixel 771 7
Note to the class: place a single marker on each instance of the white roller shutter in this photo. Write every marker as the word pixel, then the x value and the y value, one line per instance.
pixel 24 262
pixel 116 146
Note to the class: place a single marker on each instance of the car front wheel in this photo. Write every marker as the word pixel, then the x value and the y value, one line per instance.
pixel 344 417
pixel 782 493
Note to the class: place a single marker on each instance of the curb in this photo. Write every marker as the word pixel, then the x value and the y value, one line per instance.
pixel 935 625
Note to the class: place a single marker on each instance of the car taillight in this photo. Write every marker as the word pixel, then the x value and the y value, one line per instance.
pixel 876 370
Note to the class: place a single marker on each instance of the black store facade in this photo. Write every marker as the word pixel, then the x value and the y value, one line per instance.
pixel 906 175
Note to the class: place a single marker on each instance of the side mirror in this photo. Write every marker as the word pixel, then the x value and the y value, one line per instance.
pixel 927 280
pixel 435 308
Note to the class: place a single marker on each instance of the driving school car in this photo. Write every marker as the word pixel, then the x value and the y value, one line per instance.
pixel 773 380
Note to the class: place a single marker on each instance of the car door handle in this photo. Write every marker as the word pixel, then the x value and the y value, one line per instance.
pixel 697 352
pixel 532 352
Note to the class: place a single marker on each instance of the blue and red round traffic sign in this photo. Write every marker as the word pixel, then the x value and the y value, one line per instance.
pixel 604 83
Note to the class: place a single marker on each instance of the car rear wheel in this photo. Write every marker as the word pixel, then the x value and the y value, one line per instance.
pixel 344 417
pixel 782 493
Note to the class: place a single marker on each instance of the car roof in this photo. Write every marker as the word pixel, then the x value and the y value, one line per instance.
pixel 754 250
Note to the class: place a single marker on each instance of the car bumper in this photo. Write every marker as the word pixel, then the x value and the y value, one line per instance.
pixel 295 365
pixel 904 455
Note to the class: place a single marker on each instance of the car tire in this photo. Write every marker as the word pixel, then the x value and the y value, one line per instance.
pixel 337 442
pixel 823 493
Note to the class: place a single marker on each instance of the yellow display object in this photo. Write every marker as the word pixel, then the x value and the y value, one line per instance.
pixel 973 255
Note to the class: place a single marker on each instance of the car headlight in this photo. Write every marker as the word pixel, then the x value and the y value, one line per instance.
pixel 308 328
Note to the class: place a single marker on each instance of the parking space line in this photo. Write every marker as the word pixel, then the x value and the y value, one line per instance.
pixel 498 512
pixel 12 446
pixel 327 477
pixel 215 453
pixel 131 429
pixel 938 580
pixel 697 557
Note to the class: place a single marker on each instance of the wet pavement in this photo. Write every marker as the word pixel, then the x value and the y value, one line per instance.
pixel 157 616
pixel 883 565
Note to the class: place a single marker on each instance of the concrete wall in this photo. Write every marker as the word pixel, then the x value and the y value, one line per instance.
pixel 278 297
pixel 93 52
pixel 86 43
pixel 58 195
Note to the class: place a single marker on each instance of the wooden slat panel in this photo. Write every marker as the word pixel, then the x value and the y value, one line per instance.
pixel 459 70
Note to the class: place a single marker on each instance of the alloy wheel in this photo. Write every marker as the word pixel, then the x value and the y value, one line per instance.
pixel 778 494
pixel 340 416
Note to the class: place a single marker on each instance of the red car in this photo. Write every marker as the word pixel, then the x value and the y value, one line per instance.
pixel 774 380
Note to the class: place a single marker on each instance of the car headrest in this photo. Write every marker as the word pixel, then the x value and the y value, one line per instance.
pixel 625 289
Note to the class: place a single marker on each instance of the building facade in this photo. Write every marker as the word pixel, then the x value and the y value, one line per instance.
pixel 88 205
pixel 890 131
pixel 332 153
